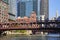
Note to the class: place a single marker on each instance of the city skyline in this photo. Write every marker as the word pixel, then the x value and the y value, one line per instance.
pixel 53 6
pixel 27 6
pixel 21 19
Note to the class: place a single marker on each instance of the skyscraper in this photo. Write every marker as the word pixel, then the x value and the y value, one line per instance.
pixel 44 8
pixel 35 6
pixel 56 14
pixel 12 9
pixel 25 7
pixel 21 9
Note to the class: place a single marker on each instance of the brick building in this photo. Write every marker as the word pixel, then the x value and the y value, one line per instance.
pixel 26 19
pixel 3 11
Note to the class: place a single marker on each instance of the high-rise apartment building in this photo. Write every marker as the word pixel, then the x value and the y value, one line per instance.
pixel 44 8
pixel 25 7
pixel 3 11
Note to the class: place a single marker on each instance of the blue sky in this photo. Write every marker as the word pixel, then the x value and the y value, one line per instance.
pixel 53 6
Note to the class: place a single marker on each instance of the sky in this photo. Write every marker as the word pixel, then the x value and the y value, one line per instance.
pixel 53 6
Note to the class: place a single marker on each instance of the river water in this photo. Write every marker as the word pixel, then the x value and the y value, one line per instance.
pixel 31 37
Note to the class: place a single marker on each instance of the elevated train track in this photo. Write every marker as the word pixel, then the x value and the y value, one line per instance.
pixel 30 26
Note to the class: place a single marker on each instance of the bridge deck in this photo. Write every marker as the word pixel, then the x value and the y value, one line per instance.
pixel 29 26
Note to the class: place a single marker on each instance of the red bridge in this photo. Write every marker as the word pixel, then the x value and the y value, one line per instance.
pixel 26 26
pixel 30 26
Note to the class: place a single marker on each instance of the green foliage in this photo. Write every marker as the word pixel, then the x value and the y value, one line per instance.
pixel 21 31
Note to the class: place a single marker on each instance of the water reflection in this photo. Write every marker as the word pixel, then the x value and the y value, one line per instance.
pixel 12 37
pixel 53 38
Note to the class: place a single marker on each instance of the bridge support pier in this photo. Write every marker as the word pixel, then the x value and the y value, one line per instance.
pixel 33 31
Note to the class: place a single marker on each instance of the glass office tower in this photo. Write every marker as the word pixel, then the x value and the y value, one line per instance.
pixel 25 7
pixel 12 9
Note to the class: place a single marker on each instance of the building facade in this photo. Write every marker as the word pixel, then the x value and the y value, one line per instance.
pixel 3 11
pixel 27 19
pixel 28 6
pixel 21 9
pixel 35 6
pixel 12 9
pixel 44 8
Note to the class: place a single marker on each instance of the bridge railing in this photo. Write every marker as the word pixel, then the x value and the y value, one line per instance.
pixel 49 24
pixel 18 25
